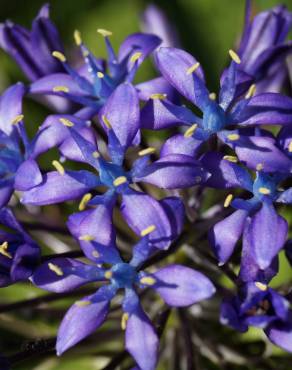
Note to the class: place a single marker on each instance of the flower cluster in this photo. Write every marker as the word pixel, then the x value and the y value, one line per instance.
pixel 225 140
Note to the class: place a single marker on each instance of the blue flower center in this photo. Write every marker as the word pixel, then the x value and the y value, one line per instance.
pixel 264 186
pixel 124 275
pixel 109 172
pixel 214 118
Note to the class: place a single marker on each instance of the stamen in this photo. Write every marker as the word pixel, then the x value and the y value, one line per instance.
pixel 213 96
pixel 104 32
pixel 135 57
pixel 120 180
pixel 86 238
pixel 264 191
pixel 59 167
pixel 82 303
pixel 251 91
pixel 85 53
pixel 77 37
pixel 124 320
pixel 4 250
pixel 193 68
pixel 148 230
pixel 290 147
pixel 95 154
pixel 158 96
pixel 56 269
pixel 228 200
pixel 100 75
pixel 191 130
pixel 60 56
pixel 259 166
pixel 95 254
pixel 66 122
pixel 146 151
pixel 148 280
pixel 231 158
pixel 261 286
pixel 233 137
pixel 61 89
pixel 106 122
pixel 85 199
pixel 17 119
pixel 234 56
pixel 108 274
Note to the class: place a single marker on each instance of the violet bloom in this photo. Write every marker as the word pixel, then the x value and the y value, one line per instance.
pixel 19 254
pixel 236 105
pixel 32 50
pixel 255 218
pixel 263 48
pixel 120 119
pixel 260 306
pixel 178 286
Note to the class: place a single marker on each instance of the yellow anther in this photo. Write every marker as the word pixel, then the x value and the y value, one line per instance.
pixel 100 75
pixel 85 53
pixel 17 119
pixel 82 303
pixel 124 320
pixel 61 89
pixel 66 122
pixel 4 250
pixel 148 230
pixel 56 269
pixel 290 147
pixel 85 199
pixel 77 37
pixel 148 280
pixel 234 56
pixel 251 91
pixel 59 167
pixel 158 96
pixel 233 137
pixel 120 180
pixel 261 286
pixel 191 130
pixel 108 274
pixel 60 56
pixel 259 166
pixel 86 238
pixel 95 254
pixel 104 33
pixel 231 158
pixel 146 151
pixel 228 200
pixel 193 68
pixel 264 191
pixel 106 122
pixel 95 154
pixel 136 56
pixel 213 96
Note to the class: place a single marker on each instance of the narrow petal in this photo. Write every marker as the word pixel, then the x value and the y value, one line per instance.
pixel 182 286
pixel 266 243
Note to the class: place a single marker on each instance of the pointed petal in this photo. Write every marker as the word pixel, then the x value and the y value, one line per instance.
pixel 28 175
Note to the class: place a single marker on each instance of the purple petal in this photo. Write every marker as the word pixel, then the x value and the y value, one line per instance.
pixel 280 333
pixel 285 197
pixel 182 286
pixel 28 175
pixel 175 210
pixel 173 64
pixel 224 235
pixel 156 86
pixel 57 188
pixel 122 112
pixel 229 315
pixel 25 261
pixel 6 192
pixel 141 340
pixel 266 243
pixel 174 171
pixel 179 144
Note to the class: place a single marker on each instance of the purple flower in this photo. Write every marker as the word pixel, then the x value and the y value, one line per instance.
pixel 19 254
pixel 260 306
pixel 32 50
pixel 120 118
pixel 236 106
pixel 263 48
pixel 255 218
pixel 177 285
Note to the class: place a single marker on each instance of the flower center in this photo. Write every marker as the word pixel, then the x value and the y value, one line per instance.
pixel 124 275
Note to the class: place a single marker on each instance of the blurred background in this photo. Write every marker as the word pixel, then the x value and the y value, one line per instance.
pixel 207 29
